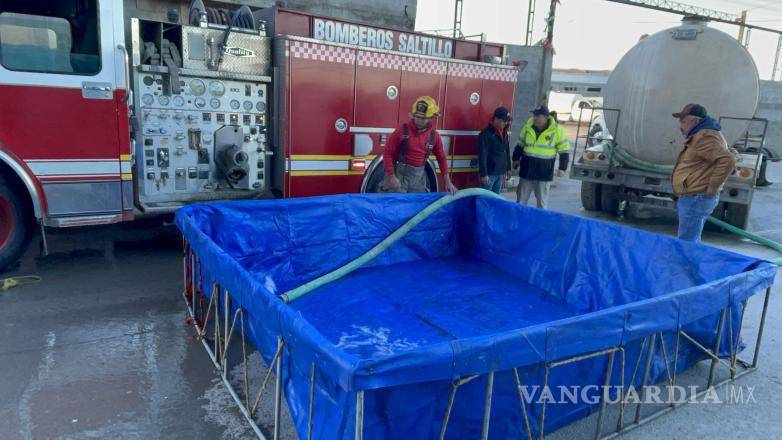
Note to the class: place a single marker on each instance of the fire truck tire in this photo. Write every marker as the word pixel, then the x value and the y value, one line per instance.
pixel 15 226
pixel 590 196
pixel 737 215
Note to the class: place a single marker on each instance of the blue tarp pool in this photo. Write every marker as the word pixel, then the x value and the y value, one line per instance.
pixel 482 286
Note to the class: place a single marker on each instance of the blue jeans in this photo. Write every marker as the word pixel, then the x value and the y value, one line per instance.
pixel 693 211
pixel 495 183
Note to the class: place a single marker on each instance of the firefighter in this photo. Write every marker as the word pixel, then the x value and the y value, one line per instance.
pixel 409 146
pixel 540 140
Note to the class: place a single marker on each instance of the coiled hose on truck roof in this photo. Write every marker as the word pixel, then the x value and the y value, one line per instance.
pixel 620 156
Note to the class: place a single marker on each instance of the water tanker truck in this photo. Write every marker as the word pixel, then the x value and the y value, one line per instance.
pixel 629 161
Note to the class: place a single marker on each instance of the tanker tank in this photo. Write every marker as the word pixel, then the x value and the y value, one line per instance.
pixel 667 70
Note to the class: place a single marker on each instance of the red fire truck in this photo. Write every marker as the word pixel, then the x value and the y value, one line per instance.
pixel 106 119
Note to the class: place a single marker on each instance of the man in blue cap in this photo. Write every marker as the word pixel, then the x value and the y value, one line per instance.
pixel 540 140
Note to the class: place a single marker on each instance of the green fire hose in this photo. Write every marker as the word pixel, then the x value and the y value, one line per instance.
pixel 369 255
pixel 620 156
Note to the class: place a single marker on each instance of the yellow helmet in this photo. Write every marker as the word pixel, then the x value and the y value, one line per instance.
pixel 425 107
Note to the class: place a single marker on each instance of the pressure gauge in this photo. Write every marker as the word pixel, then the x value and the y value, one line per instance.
pixel 248 106
pixel 200 102
pixel 260 106
pixel 179 101
pixel 216 88
pixel 163 99
pixel 235 104
pixel 148 99
pixel 197 87
pixel 215 103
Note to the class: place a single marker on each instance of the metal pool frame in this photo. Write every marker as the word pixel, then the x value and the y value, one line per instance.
pixel 201 314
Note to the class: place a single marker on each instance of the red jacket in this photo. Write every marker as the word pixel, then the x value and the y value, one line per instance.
pixel 416 148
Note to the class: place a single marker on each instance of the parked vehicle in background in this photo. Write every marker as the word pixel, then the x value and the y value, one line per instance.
pixel 633 145
pixel 108 118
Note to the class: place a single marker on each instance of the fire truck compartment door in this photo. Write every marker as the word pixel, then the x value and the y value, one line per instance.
pixel 65 99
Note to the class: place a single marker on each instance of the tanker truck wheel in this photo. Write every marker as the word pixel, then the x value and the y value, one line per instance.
pixel 610 198
pixel 762 180
pixel 14 226
pixel 737 215
pixel 590 196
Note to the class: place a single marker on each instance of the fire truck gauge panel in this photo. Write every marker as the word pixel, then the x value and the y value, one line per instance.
pixel 197 87
pixel 201 143
pixel 217 88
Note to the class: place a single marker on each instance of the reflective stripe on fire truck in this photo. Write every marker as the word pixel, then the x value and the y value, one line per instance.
pixel 339 165
pixel 44 168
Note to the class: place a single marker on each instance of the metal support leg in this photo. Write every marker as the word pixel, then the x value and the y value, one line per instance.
pixel 715 361
pixel 487 406
pixel 359 415
pixel 312 403
pixel 647 366
pixel 192 285
pixel 541 429
pixel 737 341
pixel 226 321
pixel 278 394
pixel 523 406
pixel 606 384
pixel 637 364
pixel 620 420
pixel 760 329
pixel 454 388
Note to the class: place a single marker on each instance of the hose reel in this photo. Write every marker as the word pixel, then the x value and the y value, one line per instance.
pixel 241 18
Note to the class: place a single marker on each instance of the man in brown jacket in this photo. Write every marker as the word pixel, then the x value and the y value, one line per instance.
pixel 701 170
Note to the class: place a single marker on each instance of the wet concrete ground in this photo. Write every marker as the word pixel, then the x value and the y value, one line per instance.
pixel 100 348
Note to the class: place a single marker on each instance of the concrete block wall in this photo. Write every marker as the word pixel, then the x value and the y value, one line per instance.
pixel 528 84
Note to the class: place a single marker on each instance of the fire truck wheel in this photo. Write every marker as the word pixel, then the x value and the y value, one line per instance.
pixel 373 184
pixel 14 226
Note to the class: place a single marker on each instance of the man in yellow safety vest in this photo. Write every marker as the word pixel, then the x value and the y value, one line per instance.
pixel 540 140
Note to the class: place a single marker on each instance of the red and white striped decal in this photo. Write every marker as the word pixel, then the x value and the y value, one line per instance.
pixel 320 52
pixel 380 60
pixel 424 65
pixel 483 72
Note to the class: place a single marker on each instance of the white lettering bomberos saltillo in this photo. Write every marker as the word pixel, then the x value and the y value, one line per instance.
pixel 346 33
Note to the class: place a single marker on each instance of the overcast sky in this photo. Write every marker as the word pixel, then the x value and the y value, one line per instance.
pixel 594 34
